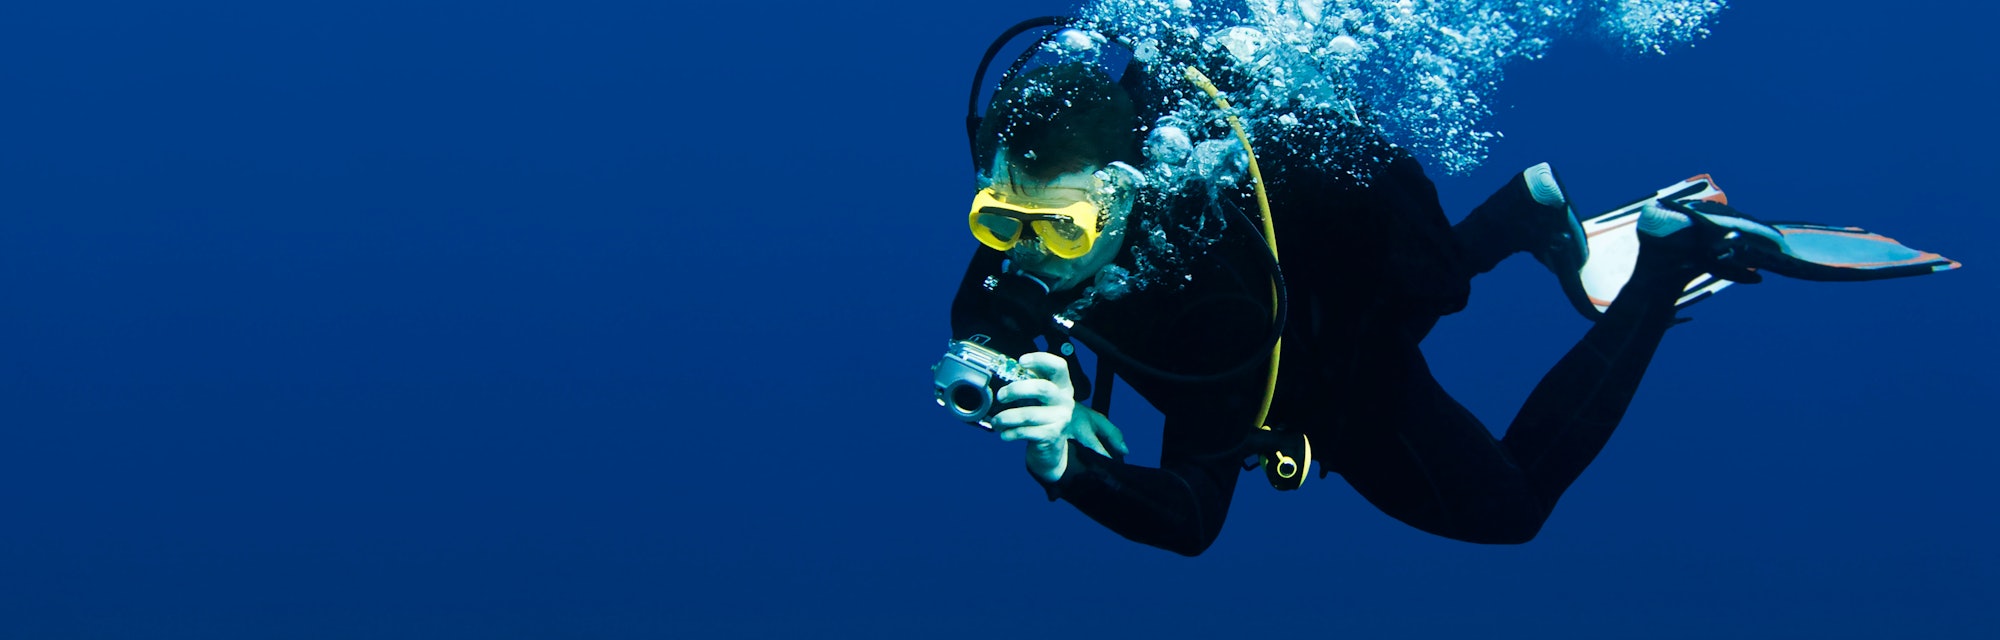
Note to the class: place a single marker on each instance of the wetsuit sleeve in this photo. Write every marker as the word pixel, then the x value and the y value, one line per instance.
pixel 1178 507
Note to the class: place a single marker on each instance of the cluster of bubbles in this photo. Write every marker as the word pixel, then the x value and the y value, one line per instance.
pixel 1335 83
pixel 1411 73
pixel 1655 25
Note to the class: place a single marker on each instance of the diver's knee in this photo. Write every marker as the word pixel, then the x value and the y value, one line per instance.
pixel 1514 534
pixel 1498 526
pixel 1495 535
pixel 1516 526
pixel 1191 546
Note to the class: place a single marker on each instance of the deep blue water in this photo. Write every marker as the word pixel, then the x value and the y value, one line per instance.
pixel 611 320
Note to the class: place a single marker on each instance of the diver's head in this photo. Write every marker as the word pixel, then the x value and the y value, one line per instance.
pixel 1055 189
pixel 1063 229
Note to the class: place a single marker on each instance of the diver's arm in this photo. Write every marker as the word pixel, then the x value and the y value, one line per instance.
pixel 1178 507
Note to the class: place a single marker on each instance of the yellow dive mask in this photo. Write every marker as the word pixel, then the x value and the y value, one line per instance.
pixel 1068 215
pixel 1067 231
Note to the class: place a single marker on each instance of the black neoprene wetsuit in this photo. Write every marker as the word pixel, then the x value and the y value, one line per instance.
pixel 1369 270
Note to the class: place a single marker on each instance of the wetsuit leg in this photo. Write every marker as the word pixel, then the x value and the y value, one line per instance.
pixel 1421 457
pixel 1412 450
pixel 1493 231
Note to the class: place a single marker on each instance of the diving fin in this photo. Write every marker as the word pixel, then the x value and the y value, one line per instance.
pixel 1802 250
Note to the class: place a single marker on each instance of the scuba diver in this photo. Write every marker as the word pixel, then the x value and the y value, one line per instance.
pixel 1314 356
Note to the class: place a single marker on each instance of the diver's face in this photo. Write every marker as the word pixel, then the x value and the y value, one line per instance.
pixel 1065 189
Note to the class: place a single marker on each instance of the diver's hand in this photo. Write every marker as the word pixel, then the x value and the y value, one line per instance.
pixel 1043 423
pixel 1052 419
pixel 1094 430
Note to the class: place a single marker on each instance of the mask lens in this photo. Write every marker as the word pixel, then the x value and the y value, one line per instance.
pixel 1063 237
pixel 996 231
pixel 1001 227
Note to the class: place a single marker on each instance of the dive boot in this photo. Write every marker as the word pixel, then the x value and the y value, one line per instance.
pixel 1557 239
pixel 1530 213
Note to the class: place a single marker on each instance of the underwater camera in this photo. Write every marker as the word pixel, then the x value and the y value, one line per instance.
pixel 967 377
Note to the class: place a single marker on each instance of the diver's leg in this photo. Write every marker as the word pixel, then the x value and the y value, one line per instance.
pixel 1530 213
pixel 1419 456
pixel 1386 425
pixel 1571 414
pixel 1413 451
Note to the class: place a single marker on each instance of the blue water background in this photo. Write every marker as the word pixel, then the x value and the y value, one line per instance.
pixel 611 319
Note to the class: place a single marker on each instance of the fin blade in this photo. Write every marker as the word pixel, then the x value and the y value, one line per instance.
pixel 1841 254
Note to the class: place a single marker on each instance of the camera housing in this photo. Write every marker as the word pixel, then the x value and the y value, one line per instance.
pixel 968 375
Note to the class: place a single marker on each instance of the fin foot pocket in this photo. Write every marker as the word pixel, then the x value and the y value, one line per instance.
pixel 1559 241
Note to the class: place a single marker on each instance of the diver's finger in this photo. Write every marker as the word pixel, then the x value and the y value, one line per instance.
pixel 1089 439
pixel 1033 432
pixel 1048 366
pixel 1019 417
pixel 1110 434
pixel 1039 391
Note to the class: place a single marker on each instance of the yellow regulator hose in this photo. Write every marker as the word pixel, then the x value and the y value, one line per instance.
pixel 1270 234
